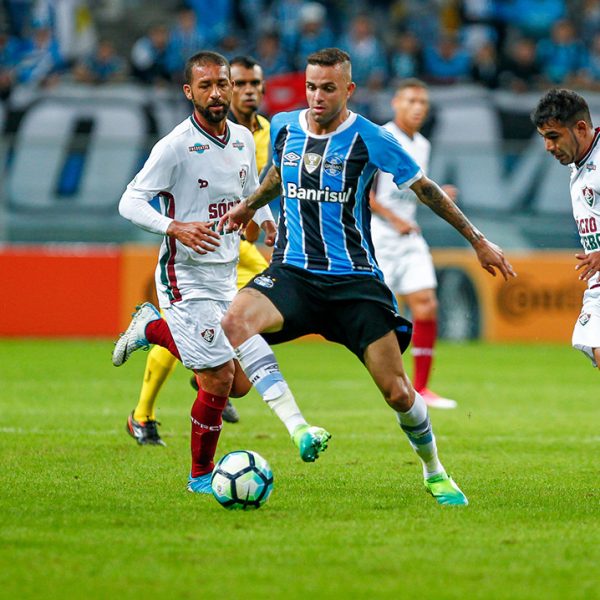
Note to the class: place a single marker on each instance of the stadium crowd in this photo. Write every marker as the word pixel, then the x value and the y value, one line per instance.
pixel 520 45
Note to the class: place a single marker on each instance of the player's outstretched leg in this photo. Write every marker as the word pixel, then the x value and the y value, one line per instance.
pixel 416 425
pixel 310 441
pixel 134 336
pixel 261 367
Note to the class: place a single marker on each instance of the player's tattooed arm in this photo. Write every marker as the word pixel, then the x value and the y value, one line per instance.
pixel 268 190
pixel 430 193
pixel 238 216
pixel 490 255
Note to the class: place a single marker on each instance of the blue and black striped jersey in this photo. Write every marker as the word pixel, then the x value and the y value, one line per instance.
pixel 324 224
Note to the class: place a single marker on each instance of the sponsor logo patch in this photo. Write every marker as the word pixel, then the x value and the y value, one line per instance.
pixel 199 148
pixel 324 195
pixel 333 165
pixel 239 145
pixel 590 166
pixel 265 281
pixel 588 195
pixel 584 318
pixel 291 159
pixel 208 335
pixel 312 161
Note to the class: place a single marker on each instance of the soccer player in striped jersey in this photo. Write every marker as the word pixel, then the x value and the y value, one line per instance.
pixel 402 252
pixel 323 276
pixel 199 170
pixel 562 118
pixel 248 90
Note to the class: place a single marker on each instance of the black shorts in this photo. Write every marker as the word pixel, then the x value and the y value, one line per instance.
pixel 353 310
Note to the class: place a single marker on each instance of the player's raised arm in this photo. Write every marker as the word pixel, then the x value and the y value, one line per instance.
pixel 241 213
pixel 490 255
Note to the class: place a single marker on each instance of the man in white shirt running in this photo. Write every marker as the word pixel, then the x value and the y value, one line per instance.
pixel 402 252
pixel 562 118
pixel 199 171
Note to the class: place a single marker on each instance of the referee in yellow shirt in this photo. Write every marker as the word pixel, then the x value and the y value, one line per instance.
pixel 248 90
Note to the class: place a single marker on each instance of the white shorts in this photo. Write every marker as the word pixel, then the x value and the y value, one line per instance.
pixel 586 334
pixel 196 328
pixel 406 264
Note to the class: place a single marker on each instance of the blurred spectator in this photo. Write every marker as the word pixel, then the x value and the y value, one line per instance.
pixel 314 33
pixel 286 20
pixel 369 68
pixel 252 13
pixel 103 66
pixel 485 68
pixel 149 58
pixel 447 61
pixel 406 60
pixel 479 24
pixel 72 26
pixel 562 56
pixel 18 16
pixel 232 45
pixel 532 18
pixel 9 57
pixel 214 18
pixel 421 17
pixel 590 76
pixel 41 62
pixel 270 55
pixel 521 71
pixel 185 40
pixel 589 20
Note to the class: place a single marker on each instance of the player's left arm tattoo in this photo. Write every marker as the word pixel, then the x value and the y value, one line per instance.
pixel 268 190
pixel 430 193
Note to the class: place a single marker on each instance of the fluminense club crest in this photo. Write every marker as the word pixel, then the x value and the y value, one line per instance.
pixel 243 176
pixel 584 318
pixel 588 195
pixel 208 335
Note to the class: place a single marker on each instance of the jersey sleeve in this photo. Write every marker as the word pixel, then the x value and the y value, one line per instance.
pixel 278 129
pixel 387 154
pixel 157 175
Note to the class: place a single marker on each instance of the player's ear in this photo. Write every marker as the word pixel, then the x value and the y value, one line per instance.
pixel 187 90
pixel 351 88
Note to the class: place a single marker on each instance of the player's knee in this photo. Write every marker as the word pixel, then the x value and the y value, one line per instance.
pixel 426 309
pixel 234 327
pixel 400 394
pixel 219 380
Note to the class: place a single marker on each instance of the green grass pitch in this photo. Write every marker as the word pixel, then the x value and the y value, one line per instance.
pixel 86 513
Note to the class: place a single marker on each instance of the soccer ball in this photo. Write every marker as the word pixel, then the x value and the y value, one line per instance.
pixel 242 479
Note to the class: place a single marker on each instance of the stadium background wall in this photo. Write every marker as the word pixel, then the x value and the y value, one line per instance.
pixel 90 291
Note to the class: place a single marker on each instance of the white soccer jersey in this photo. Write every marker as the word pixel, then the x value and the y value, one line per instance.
pixel 404 259
pixel 402 202
pixel 197 177
pixel 585 199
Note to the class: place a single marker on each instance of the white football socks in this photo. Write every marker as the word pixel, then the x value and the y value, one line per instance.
pixel 261 368
pixel 415 423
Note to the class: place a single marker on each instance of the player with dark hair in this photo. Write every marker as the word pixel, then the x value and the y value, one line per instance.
pixel 323 276
pixel 562 118
pixel 402 252
pixel 198 170
pixel 248 89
